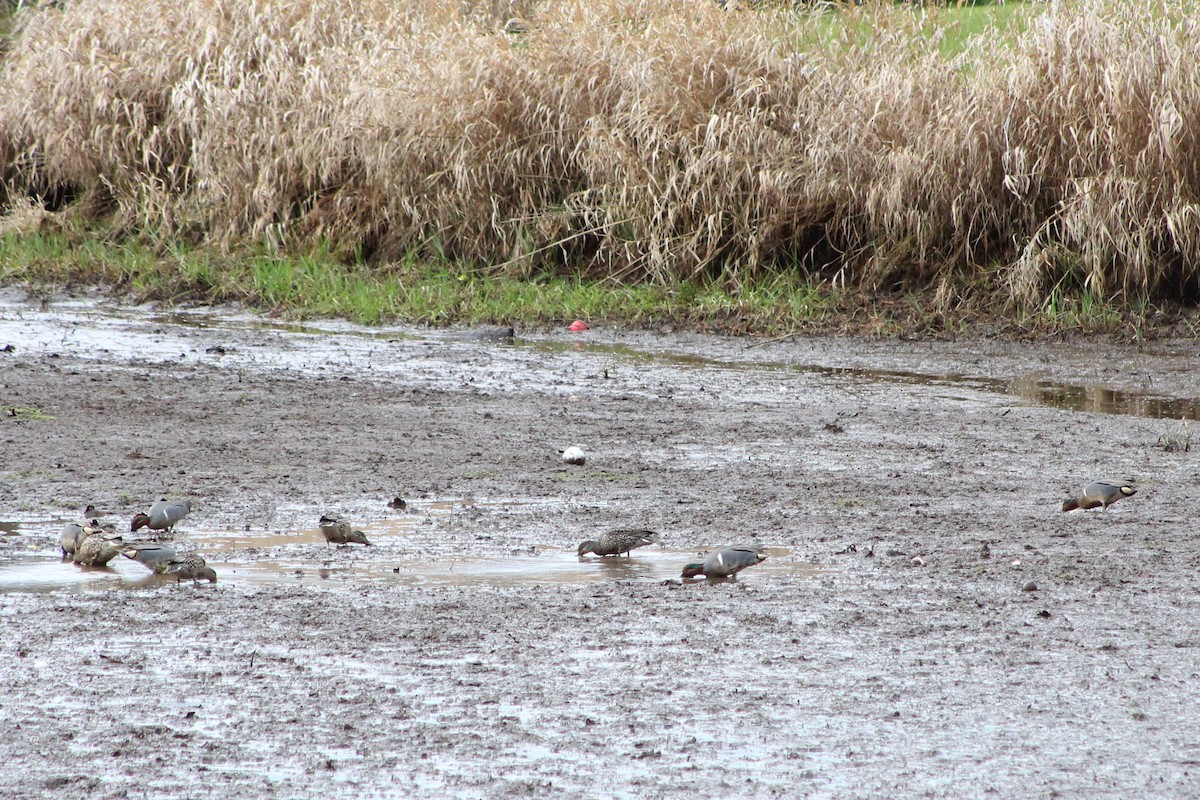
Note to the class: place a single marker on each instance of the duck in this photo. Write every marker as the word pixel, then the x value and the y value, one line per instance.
pixel 726 562
pixel 152 555
pixel 1100 494
pixel 72 536
pixel 91 512
pixel 163 515
pixel 618 542
pixel 338 531
pixel 191 565
pixel 97 548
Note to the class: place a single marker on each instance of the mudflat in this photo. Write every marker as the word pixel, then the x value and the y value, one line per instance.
pixel 928 623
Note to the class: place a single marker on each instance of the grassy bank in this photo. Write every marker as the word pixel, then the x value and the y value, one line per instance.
pixel 792 166
pixel 316 284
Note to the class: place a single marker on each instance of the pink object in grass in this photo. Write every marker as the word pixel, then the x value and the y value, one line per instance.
pixel 577 326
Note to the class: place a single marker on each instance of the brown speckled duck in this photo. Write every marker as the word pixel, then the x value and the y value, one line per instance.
pixel 338 531
pixel 97 548
pixel 1100 494
pixel 190 565
pixel 618 542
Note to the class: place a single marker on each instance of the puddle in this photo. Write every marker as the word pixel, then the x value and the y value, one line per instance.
pixel 1043 392
pixel 547 567
pixel 291 559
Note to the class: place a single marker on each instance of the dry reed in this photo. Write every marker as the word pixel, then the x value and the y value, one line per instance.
pixel 667 139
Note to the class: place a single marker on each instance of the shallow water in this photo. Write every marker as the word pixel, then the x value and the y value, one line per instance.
pixel 303 557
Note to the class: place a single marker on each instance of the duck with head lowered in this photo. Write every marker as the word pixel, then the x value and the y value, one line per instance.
pixel 163 515
pixel 1101 494
pixel 618 542
pixel 338 531
pixel 726 562
pixel 96 547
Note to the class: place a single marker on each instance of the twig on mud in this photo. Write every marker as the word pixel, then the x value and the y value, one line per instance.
pixel 773 340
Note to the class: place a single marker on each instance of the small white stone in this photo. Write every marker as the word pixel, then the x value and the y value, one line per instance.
pixel 917 561
pixel 574 455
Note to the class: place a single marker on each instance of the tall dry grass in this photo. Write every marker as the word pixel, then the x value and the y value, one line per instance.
pixel 638 138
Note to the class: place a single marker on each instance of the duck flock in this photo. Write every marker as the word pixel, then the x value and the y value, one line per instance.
pixel 95 544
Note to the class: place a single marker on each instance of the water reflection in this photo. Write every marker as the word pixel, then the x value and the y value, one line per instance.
pixel 1097 399
pixel 1040 391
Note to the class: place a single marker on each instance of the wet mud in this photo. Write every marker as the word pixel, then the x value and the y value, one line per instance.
pixel 929 623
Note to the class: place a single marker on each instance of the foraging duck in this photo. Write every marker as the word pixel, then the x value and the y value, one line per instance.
pixel 618 542
pixel 72 536
pixel 337 531
pixel 191 565
pixel 1100 494
pixel 96 549
pixel 163 515
pixel 151 555
pixel 726 563
pixel 91 512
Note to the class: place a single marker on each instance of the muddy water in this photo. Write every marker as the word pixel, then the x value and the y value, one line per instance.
pixel 304 557
pixel 929 624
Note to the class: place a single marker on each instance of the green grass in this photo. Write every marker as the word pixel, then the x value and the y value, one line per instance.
pixel 316 284
pixel 24 413
pixel 965 21
pixel 851 26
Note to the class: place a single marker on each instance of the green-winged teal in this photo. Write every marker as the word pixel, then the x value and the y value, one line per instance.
pixel 190 565
pixel 618 542
pixel 153 555
pixel 97 548
pixel 726 563
pixel 1100 494
pixel 338 531
pixel 163 515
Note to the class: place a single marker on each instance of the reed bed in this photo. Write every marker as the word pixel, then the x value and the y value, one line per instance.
pixel 662 140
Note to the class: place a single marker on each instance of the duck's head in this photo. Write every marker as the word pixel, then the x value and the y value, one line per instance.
pixel 206 574
pixel 140 520
pixel 587 547
pixel 693 570
pixel 358 537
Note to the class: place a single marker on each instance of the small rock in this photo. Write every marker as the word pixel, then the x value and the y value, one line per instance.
pixel 574 455
pixel 577 326
pixel 917 561
pixel 1029 586
pixel 398 503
